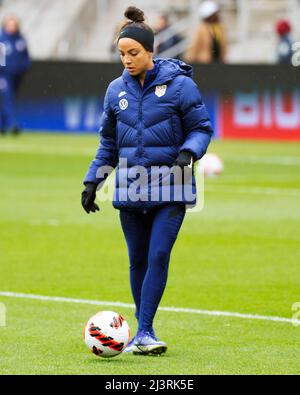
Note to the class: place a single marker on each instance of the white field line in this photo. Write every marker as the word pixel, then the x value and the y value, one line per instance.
pixel 256 191
pixel 27 149
pixel 263 191
pixel 272 160
pixel 217 313
pixel 61 150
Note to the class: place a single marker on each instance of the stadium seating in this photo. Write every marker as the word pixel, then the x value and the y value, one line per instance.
pixel 83 29
pixel 44 23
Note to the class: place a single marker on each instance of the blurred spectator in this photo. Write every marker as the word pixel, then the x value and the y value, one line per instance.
pixel 209 42
pixel 162 25
pixel 17 62
pixel 114 51
pixel 284 46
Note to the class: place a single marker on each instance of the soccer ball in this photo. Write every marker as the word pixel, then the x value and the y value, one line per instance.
pixel 211 165
pixel 106 334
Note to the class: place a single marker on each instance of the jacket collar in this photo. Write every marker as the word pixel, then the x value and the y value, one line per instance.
pixel 164 71
pixel 133 82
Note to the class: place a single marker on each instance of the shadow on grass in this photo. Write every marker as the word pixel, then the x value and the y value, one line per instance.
pixel 128 359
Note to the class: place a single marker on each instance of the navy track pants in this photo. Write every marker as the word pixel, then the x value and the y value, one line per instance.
pixel 7 119
pixel 150 237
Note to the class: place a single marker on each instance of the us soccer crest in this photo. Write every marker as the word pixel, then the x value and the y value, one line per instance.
pixel 123 104
pixel 160 90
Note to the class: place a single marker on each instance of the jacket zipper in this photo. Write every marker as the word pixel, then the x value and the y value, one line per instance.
pixel 140 138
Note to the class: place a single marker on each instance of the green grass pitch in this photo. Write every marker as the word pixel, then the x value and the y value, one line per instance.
pixel 240 254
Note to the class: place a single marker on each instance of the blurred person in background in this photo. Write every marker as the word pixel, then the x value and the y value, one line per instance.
pixel 17 62
pixel 284 45
pixel 209 41
pixel 162 24
pixel 114 50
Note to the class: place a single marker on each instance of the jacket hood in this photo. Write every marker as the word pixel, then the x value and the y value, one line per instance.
pixel 168 69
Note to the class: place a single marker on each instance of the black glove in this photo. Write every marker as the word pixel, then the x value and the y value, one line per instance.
pixel 88 197
pixel 185 158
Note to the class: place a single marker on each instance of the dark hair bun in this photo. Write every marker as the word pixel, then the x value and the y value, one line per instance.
pixel 134 14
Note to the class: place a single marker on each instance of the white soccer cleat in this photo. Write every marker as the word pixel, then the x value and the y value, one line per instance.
pixel 147 344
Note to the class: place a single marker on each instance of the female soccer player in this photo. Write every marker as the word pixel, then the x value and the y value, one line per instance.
pixel 153 116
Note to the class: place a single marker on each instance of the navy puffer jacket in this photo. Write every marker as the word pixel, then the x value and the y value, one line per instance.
pixel 17 59
pixel 148 126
